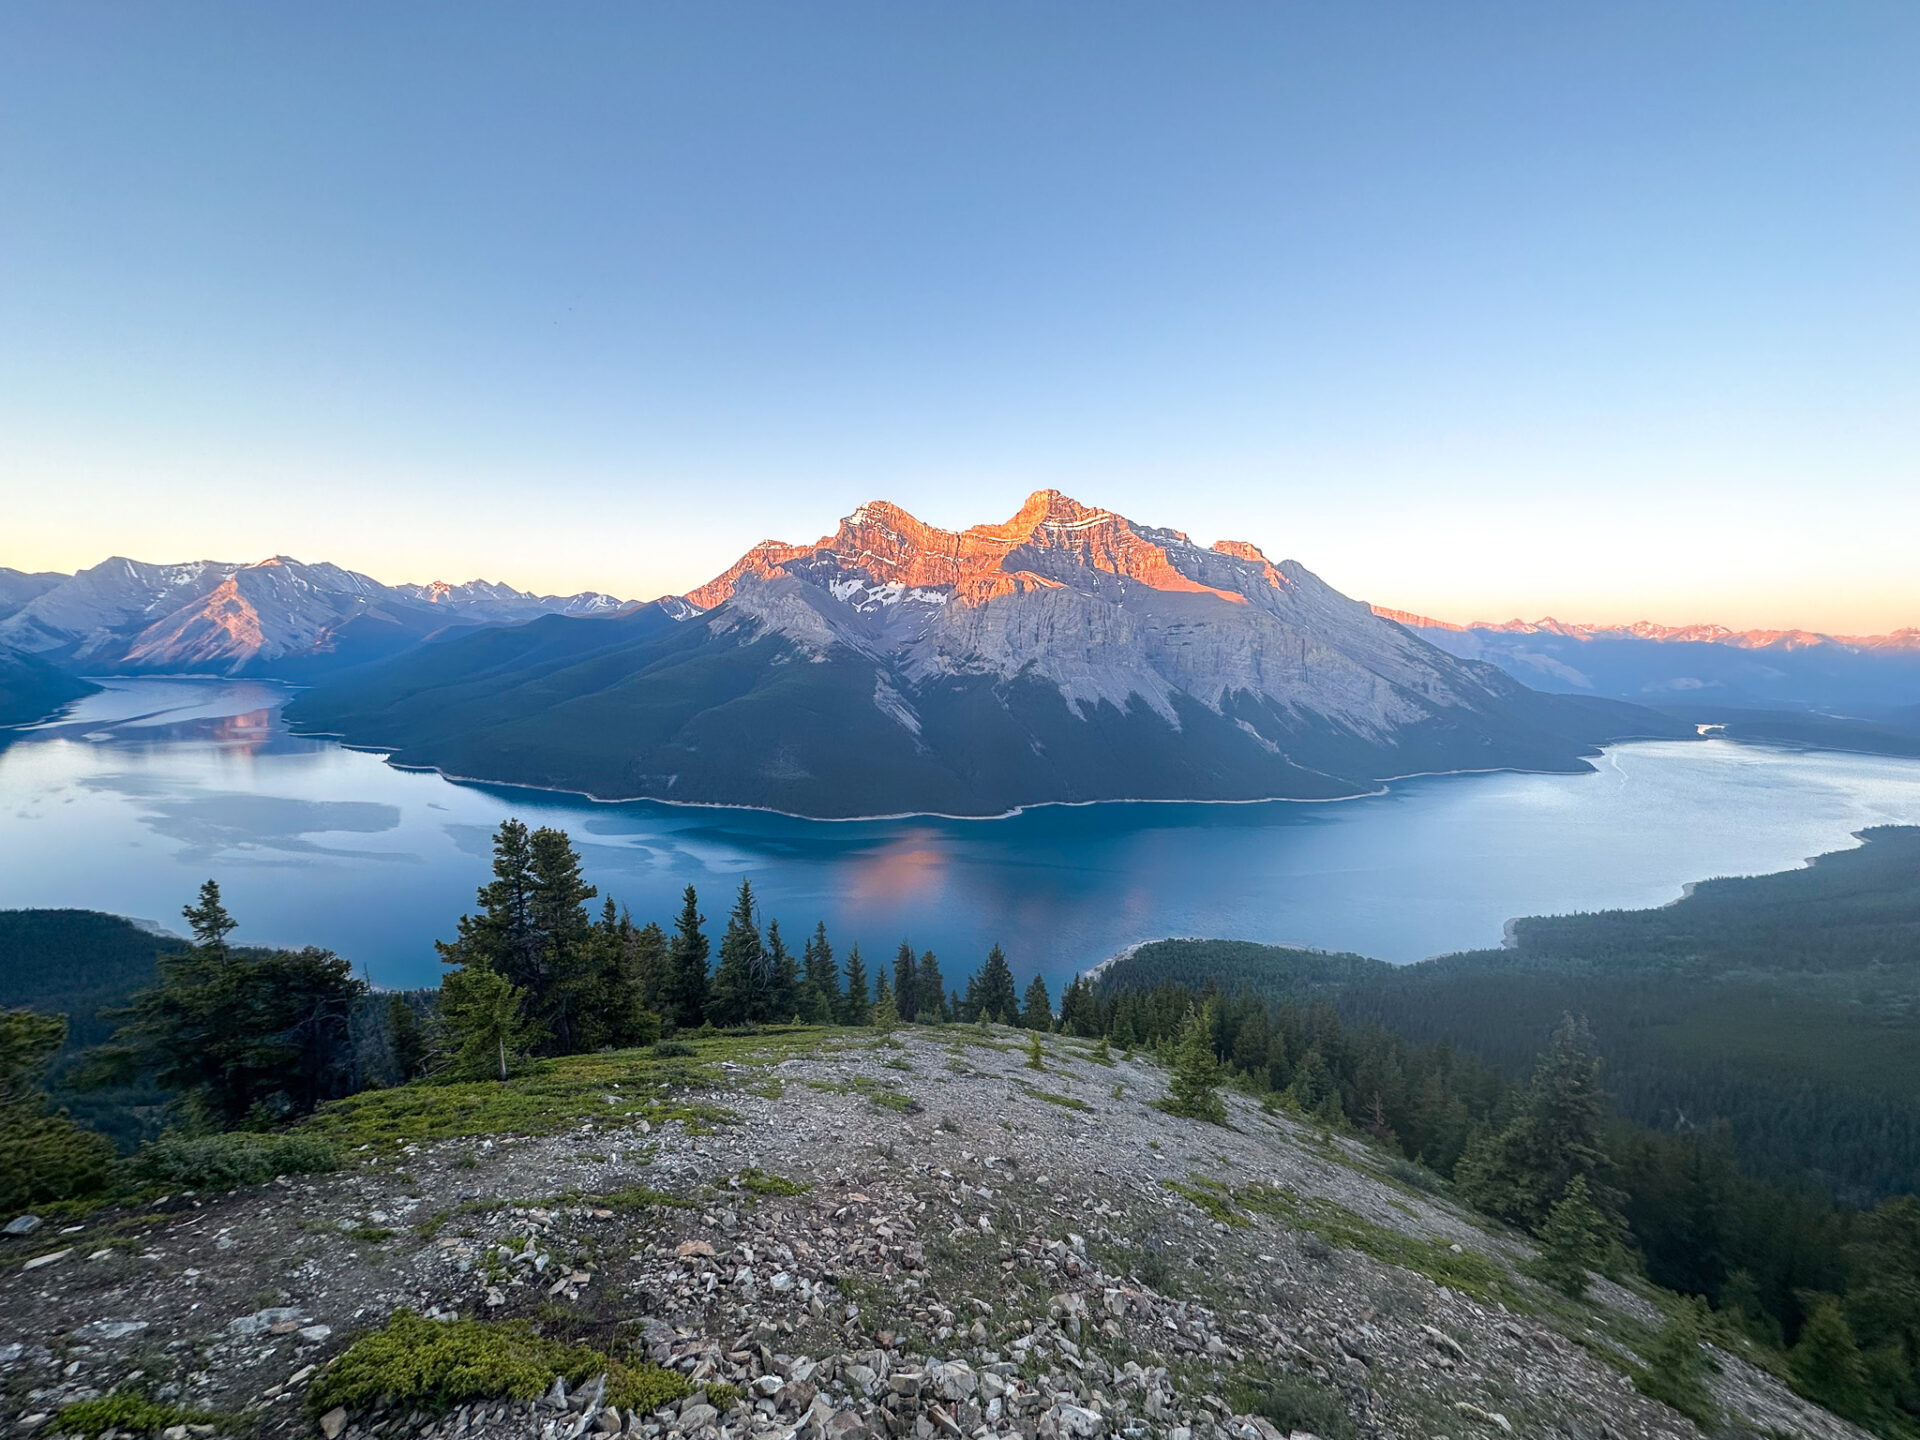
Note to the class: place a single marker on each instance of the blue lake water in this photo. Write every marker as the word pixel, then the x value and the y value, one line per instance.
pixel 138 794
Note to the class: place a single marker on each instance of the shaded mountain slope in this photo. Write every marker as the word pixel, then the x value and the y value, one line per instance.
pixel 31 689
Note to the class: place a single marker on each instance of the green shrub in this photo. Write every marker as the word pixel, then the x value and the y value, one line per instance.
pixel 436 1365
pixel 48 1157
pixel 673 1050
pixel 1293 1404
pixel 226 1161
pixel 762 1182
pixel 722 1396
pixel 128 1412
pixel 1676 1367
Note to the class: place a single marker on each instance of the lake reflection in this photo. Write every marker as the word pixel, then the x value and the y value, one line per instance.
pixel 141 792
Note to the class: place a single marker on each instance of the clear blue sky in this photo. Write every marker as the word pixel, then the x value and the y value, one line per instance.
pixel 1600 310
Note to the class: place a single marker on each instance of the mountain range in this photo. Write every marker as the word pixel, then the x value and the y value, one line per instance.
pixel 277 618
pixel 1068 654
pixel 1701 670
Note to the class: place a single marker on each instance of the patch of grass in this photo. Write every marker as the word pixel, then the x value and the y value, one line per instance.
pixel 436 1365
pixel 130 1412
pixel 1065 1102
pixel 893 1100
pixel 558 1095
pixel 1210 1201
pixel 1467 1271
pixel 896 1063
pixel 629 1198
pixel 371 1234
pixel 673 1050
pixel 761 1182
pixel 722 1396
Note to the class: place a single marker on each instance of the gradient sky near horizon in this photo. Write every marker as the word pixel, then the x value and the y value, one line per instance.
pixel 1480 310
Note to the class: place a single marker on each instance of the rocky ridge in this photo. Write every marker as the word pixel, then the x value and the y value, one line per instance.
pixel 837 1237
pixel 125 616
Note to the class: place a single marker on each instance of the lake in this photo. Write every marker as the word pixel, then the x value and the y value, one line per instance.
pixel 139 793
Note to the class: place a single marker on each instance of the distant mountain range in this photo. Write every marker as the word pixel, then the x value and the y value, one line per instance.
pixel 1703 670
pixel 1066 655
pixel 277 618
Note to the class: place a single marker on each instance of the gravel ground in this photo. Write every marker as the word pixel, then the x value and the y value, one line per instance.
pixel 914 1237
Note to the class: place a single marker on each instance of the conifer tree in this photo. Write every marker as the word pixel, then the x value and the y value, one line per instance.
pixel 210 922
pixel 783 978
pixel 994 995
pixel 43 1154
pixel 567 973
pixel 1193 1089
pixel 1825 1361
pixel 930 991
pixel 485 1014
pixel 620 1015
pixel 240 1036
pixel 405 1038
pixel 820 981
pixel 1676 1365
pixel 906 990
pixel 855 1007
pixel 1573 1241
pixel 883 993
pixel 646 964
pixel 739 992
pixel 1037 1014
pixel 1522 1170
pixel 684 996
pixel 502 936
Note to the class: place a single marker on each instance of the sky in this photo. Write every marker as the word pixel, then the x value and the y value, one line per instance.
pixel 1608 311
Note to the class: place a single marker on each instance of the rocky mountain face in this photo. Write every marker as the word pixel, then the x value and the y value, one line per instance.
pixel 1068 654
pixel 17 587
pixel 278 617
pixel 1703 668
pixel 833 1237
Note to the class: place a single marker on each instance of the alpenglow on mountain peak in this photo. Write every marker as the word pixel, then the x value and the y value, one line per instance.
pixel 894 548
pixel 1068 653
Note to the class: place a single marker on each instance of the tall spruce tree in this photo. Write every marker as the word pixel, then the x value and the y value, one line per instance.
pixel 929 991
pixel 647 964
pixel 684 996
pixel 855 1006
pixel 995 996
pixel 906 990
pixel 503 935
pixel 405 1039
pixel 620 1016
pixel 1193 1089
pixel 739 992
pixel 820 983
pixel 1521 1171
pixel 567 973
pixel 1037 1013
pixel 783 978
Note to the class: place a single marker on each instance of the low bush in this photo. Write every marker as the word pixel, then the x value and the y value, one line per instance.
pixel 128 1412
pixel 226 1161
pixel 1293 1404
pixel 438 1364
